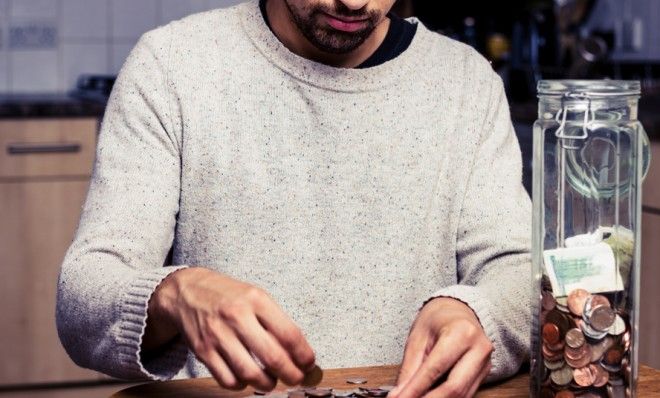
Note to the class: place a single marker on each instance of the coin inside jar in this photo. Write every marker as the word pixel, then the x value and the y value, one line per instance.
pixel 618 327
pixel 574 338
pixel 563 376
pixel 565 394
pixel 551 333
pixel 584 377
pixel 576 300
pixel 602 318
pixel 547 300
pixel 601 375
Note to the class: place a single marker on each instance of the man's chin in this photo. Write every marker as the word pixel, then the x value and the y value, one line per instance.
pixel 339 44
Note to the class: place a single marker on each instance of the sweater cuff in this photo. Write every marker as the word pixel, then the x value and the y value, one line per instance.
pixel 132 325
pixel 482 307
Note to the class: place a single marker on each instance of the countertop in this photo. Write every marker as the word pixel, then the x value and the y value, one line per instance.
pixel 24 106
pixel 517 387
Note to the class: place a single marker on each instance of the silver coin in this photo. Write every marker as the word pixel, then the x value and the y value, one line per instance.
pixel 591 332
pixel 602 318
pixel 562 376
pixel 554 365
pixel 343 393
pixel 356 380
pixel 618 327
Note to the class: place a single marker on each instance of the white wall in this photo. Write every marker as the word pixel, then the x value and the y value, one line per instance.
pixel 46 44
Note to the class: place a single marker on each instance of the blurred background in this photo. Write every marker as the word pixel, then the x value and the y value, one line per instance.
pixel 59 59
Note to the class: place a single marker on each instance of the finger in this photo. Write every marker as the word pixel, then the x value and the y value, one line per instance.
pixel 287 334
pixel 446 352
pixel 464 375
pixel 240 361
pixel 413 357
pixel 220 371
pixel 484 373
pixel 269 352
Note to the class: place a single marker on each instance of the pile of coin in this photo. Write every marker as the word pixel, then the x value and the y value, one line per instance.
pixel 585 347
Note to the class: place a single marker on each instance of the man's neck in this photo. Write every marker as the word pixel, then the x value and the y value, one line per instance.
pixel 287 32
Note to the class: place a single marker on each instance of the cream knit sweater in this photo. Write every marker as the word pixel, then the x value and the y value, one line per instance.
pixel 351 195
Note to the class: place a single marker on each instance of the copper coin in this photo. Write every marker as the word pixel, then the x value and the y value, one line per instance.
pixel 576 300
pixel 564 394
pixel 559 319
pixel 551 333
pixel 601 375
pixel 591 332
pixel 552 356
pixel 547 300
pixel 625 340
pixel 574 338
pixel 613 356
pixel 597 300
pixel 576 353
pixel 556 347
pixel 584 377
pixel 313 377
pixel 581 361
pixel 602 318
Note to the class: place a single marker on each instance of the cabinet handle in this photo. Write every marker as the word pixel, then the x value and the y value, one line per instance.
pixel 27 149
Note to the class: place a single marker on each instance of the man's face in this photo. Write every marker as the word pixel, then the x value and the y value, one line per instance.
pixel 338 26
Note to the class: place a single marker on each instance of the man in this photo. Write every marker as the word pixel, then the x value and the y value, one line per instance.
pixel 327 175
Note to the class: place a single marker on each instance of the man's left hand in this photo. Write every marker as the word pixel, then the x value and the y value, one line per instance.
pixel 445 337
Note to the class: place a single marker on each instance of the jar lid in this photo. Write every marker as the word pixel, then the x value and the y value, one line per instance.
pixel 589 88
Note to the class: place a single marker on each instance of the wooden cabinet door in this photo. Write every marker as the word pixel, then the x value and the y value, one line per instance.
pixel 45 167
pixel 38 222
pixel 649 322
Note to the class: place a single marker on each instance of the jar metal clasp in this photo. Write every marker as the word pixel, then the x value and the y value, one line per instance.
pixel 562 114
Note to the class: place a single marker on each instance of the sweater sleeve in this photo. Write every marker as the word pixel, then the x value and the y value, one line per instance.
pixel 494 240
pixel 127 225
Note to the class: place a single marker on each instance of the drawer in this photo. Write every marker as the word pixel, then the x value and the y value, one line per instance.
pixel 47 147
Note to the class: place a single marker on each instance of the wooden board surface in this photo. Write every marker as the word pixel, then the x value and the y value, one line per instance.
pixel 518 387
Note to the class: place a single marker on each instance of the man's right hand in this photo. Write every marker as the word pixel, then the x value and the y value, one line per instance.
pixel 225 323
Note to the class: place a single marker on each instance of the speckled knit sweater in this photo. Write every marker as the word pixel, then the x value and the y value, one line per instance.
pixel 351 195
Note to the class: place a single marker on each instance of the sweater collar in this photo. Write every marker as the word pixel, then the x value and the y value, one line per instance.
pixel 325 76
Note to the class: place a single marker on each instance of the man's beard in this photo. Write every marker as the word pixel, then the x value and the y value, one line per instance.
pixel 324 37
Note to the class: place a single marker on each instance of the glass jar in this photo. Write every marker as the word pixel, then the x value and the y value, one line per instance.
pixel 590 156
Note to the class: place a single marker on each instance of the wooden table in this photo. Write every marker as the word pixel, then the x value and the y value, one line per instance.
pixel 517 387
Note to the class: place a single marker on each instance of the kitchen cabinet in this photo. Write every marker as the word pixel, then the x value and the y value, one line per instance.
pixel 45 166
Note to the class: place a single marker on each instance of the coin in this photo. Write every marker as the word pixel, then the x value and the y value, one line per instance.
pixel 376 392
pixel 296 394
pixel 356 380
pixel 591 332
pixel 574 338
pixel 562 376
pixel 598 300
pixel 576 300
pixel 319 392
pixel 601 375
pixel 554 365
pixel 584 377
pixel 618 327
pixel 313 377
pixel 598 349
pixel 547 300
pixel 564 394
pixel 551 333
pixel 582 360
pixel 613 356
pixel 601 318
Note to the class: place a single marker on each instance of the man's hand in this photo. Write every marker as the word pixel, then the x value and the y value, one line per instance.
pixel 227 324
pixel 445 337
